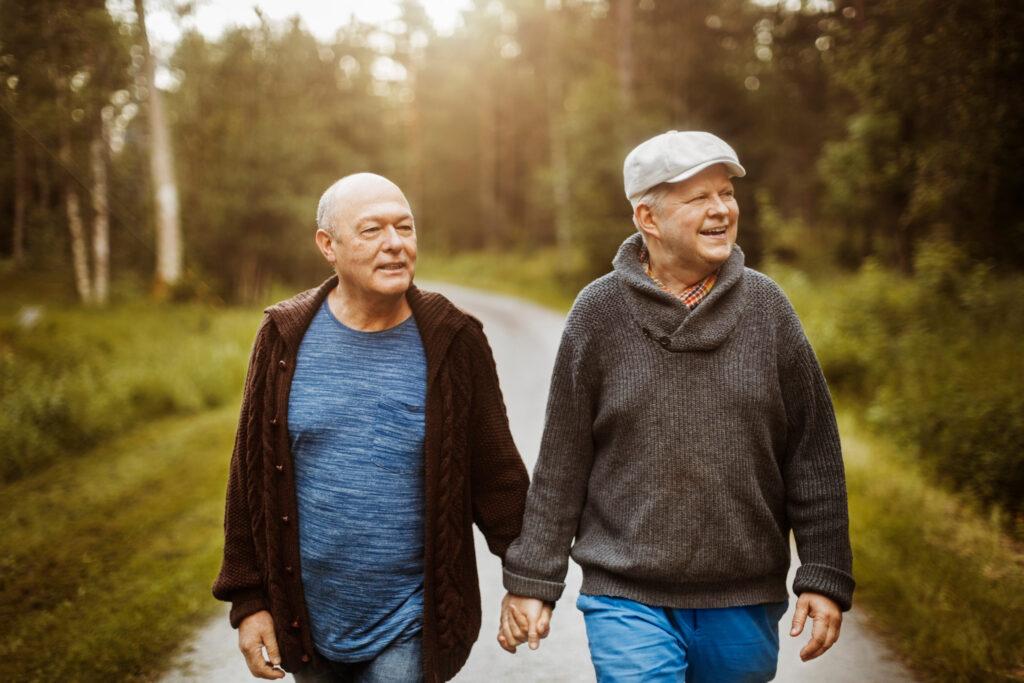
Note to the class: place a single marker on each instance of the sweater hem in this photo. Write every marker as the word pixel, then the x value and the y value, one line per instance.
pixel 696 595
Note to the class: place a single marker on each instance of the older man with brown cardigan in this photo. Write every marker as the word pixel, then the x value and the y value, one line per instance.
pixel 458 464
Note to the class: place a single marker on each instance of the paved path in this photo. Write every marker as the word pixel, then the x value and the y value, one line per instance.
pixel 524 338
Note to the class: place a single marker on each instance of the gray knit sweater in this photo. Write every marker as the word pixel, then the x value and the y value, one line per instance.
pixel 680 448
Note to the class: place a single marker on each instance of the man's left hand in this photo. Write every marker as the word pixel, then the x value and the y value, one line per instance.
pixel 827 618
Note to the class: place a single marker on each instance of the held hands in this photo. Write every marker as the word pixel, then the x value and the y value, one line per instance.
pixel 827 618
pixel 523 620
pixel 254 633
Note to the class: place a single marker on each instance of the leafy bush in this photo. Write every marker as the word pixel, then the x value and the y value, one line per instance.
pixel 935 360
pixel 72 377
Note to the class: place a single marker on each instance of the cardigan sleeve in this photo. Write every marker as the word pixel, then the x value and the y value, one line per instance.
pixel 498 477
pixel 537 562
pixel 240 579
pixel 814 477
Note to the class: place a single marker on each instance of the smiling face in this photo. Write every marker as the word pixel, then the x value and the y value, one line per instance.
pixel 372 237
pixel 691 229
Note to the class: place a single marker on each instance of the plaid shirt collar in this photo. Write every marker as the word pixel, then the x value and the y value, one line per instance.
pixel 692 295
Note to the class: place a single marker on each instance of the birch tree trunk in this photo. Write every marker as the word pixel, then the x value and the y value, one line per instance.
pixel 161 159
pixel 79 250
pixel 20 198
pixel 101 216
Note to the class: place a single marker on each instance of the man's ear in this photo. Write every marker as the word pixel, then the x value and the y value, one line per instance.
pixel 324 242
pixel 645 221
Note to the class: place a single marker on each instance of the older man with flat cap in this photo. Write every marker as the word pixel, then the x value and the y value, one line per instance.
pixel 689 430
pixel 372 436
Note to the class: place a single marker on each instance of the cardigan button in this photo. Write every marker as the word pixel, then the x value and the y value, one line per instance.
pixel 295 624
pixel 305 658
pixel 273 420
pixel 664 341
pixel 285 519
pixel 288 569
pixel 282 364
pixel 279 467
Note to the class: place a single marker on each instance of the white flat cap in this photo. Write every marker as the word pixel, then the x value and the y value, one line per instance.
pixel 675 156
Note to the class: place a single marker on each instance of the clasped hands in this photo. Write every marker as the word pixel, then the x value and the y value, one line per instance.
pixel 523 620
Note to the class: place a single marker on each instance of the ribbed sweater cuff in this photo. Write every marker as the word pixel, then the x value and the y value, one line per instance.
pixel 245 603
pixel 533 588
pixel 831 582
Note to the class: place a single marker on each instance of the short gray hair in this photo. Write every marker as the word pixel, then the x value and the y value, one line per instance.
pixel 326 208
pixel 651 198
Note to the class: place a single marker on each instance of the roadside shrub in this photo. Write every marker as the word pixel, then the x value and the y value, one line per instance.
pixel 934 360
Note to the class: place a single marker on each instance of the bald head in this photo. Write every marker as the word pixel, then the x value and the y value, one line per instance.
pixel 342 202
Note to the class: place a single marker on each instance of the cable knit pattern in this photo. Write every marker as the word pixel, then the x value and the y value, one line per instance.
pixel 472 473
pixel 681 447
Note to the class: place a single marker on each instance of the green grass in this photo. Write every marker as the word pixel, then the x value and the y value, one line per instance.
pixel 71 377
pixel 107 559
pixel 941 581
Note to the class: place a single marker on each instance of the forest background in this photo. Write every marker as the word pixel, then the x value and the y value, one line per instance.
pixel 141 227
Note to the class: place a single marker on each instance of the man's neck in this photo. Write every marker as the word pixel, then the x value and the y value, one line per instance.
pixel 677 277
pixel 367 312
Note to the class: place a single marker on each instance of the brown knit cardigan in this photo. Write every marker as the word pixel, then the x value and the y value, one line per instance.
pixel 472 473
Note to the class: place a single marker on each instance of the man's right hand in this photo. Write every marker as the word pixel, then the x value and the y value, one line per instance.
pixel 523 620
pixel 254 633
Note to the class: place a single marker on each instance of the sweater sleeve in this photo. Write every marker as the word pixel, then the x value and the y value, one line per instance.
pixel 814 477
pixel 239 581
pixel 536 564
pixel 498 477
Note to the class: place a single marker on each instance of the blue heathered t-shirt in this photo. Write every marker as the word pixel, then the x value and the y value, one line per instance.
pixel 356 424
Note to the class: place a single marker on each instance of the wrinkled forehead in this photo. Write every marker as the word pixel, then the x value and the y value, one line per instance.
pixel 390 211
pixel 365 198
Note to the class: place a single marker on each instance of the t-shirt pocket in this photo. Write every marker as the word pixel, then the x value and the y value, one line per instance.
pixel 398 436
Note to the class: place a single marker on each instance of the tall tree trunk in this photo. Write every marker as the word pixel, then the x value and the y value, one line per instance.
pixel 624 30
pixel 79 249
pixel 168 228
pixel 486 171
pixel 20 198
pixel 559 167
pixel 101 215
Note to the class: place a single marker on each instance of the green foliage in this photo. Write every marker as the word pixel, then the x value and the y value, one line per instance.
pixel 257 145
pixel 935 361
pixel 599 213
pixel 75 377
pixel 938 577
pixel 934 141
pixel 107 559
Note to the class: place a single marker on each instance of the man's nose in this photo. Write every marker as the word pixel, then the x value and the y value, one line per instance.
pixel 717 206
pixel 392 240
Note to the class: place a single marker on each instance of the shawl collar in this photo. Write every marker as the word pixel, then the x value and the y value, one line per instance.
pixel 666 319
pixel 438 319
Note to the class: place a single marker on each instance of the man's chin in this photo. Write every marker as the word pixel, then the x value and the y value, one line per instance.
pixel 393 284
pixel 718 255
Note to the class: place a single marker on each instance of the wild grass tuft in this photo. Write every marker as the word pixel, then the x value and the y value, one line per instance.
pixel 72 377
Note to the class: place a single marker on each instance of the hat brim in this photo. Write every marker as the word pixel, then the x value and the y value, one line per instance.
pixel 735 169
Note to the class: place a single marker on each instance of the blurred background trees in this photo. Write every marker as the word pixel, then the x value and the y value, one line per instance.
pixel 866 127
pixel 882 140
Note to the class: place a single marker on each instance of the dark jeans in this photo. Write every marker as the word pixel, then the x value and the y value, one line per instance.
pixel 399 663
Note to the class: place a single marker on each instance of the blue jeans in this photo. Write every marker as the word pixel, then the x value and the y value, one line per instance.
pixel 398 663
pixel 633 642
